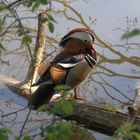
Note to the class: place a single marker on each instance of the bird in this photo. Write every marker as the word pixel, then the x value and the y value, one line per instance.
pixel 70 67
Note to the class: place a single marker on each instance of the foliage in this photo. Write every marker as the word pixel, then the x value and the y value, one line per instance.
pixel 62 131
pixel 130 34
pixel 64 106
pixel 24 138
pixel 36 3
pixel 2 23
pixel 51 27
pixel 58 131
pixel 26 40
pixel 111 107
pixel 61 88
pixel 126 132
pixel 50 21
pixel 2 7
pixel 4 133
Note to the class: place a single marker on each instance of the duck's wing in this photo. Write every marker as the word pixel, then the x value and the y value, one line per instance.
pixel 63 59
pixel 79 72
pixel 61 65
pixel 70 61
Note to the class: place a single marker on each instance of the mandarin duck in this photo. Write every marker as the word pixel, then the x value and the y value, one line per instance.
pixel 70 67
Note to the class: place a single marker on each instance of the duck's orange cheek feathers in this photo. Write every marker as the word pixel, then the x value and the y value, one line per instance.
pixel 74 45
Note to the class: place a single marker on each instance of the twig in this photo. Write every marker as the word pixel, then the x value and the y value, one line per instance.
pixel 15 112
pixel 21 131
pixel 14 13
pixel 101 84
pixel 113 87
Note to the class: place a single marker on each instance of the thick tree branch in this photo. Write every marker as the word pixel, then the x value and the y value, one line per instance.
pixel 94 116
pixel 39 48
pixel 98 118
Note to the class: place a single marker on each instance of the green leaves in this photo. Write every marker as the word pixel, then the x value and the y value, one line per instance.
pixel 26 138
pixel 63 107
pixel 2 7
pixel 21 30
pixel 4 133
pixel 61 88
pixel 36 3
pixel 58 131
pixel 111 107
pixel 64 131
pixel 51 27
pixel 26 40
pixel 43 1
pixel 135 135
pixel 50 20
pixel 43 108
pixel 130 34
pixel 2 23
pixel 127 132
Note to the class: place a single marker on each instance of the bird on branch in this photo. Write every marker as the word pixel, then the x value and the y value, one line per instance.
pixel 70 67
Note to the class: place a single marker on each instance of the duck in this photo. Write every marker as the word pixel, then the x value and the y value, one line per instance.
pixel 70 67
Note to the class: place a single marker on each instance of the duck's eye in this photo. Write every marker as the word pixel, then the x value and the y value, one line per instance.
pixel 85 40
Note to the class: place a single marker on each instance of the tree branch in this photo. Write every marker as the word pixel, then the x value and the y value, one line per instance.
pixel 39 48
pixel 98 118
pixel 94 116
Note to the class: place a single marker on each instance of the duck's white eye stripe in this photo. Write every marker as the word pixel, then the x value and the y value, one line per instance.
pixel 82 36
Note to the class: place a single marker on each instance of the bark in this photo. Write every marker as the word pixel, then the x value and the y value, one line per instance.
pixel 94 116
pixel 39 49
pixel 98 118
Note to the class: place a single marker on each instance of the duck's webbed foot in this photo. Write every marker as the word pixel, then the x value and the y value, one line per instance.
pixel 76 94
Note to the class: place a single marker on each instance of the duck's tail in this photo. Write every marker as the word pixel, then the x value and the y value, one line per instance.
pixel 41 96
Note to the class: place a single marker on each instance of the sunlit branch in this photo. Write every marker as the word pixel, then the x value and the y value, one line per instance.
pixel 112 73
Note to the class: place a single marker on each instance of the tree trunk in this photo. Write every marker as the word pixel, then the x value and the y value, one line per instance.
pixel 39 49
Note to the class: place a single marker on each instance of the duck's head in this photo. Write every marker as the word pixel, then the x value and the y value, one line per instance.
pixel 80 37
